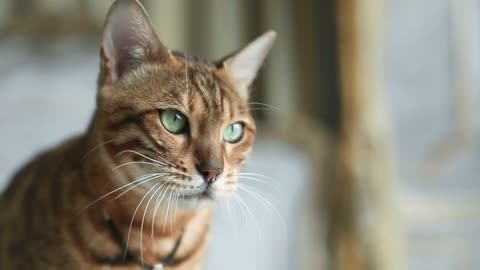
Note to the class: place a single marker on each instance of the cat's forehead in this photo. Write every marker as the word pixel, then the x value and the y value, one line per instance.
pixel 207 93
pixel 192 59
pixel 191 86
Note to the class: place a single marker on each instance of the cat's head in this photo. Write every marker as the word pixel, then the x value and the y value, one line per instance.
pixel 170 122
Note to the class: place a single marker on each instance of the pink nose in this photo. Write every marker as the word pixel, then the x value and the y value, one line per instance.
pixel 209 171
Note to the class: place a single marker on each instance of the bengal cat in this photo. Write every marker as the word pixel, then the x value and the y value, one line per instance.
pixel 168 138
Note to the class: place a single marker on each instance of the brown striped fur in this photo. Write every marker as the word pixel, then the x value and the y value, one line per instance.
pixel 50 217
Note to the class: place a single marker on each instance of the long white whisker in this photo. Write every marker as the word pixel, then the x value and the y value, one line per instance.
pixel 254 179
pixel 272 208
pixel 178 198
pixel 261 109
pixel 143 220
pixel 117 189
pixel 263 200
pixel 254 174
pixel 236 197
pixel 169 162
pixel 222 206
pixel 244 213
pixel 172 212
pixel 245 205
pixel 151 159
pixel 140 154
pixel 262 104
pixel 168 209
pixel 266 106
pixel 157 204
pixel 186 74
pixel 229 211
pixel 248 178
pixel 174 209
pixel 249 212
pixel 138 162
pixel 133 218
pixel 97 147
pixel 143 182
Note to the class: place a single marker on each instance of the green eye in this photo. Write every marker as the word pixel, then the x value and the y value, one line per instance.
pixel 173 121
pixel 233 133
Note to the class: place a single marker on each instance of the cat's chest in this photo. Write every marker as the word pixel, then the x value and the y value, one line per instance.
pixel 159 247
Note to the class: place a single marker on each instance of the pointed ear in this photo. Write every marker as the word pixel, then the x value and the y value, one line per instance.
pixel 242 66
pixel 129 39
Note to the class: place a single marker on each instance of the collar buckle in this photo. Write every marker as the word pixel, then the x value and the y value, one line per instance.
pixel 158 266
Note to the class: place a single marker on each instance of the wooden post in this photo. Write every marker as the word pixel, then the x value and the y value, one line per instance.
pixel 363 222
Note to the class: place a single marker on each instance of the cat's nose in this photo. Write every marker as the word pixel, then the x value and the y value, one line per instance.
pixel 210 171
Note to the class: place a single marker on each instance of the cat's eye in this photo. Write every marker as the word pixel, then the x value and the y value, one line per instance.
pixel 173 121
pixel 233 133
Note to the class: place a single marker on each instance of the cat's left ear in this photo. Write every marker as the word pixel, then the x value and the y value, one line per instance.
pixel 242 66
pixel 129 39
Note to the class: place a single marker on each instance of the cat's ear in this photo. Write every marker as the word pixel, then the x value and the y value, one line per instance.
pixel 242 66
pixel 129 39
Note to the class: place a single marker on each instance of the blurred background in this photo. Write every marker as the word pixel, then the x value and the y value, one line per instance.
pixel 369 139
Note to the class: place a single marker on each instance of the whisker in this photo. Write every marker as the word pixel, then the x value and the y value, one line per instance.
pixel 236 197
pixel 222 206
pixel 137 162
pixel 143 220
pixel 263 104
pixel 117 189
pixel 249 212
pixel 262 199
pixel 233 218
pixel 149 158
pixel 167 210
pixel 229 211
pixel 176 204
pixel 254 221
pixel 172 212
pixel 186 77
pixel 266 203
pixel 169 162
pixel 178 199
pixel 263 109
pixel 272 185
pixel 143 182
pixel 254 174
pixel 97 147
pixel 140 154
pixel 253 178
pixel 174 208
pixel 133 218
pixel 157 204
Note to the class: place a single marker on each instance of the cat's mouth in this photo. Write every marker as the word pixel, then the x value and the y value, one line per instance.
pixel 206 192
pixel 201 195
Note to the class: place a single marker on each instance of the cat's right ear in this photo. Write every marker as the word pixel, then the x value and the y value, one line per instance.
pixel 242 66
pixel 129 39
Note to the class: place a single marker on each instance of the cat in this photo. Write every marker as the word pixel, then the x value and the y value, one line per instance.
pixel 168 138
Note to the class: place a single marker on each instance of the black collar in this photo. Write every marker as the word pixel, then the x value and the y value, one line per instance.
pixel 169 260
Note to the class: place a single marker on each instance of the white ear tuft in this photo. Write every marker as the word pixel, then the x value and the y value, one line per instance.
pixel 243 66
pixel 129 38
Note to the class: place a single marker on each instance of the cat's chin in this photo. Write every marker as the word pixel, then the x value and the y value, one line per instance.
pixel 207 199
pixel 195 202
